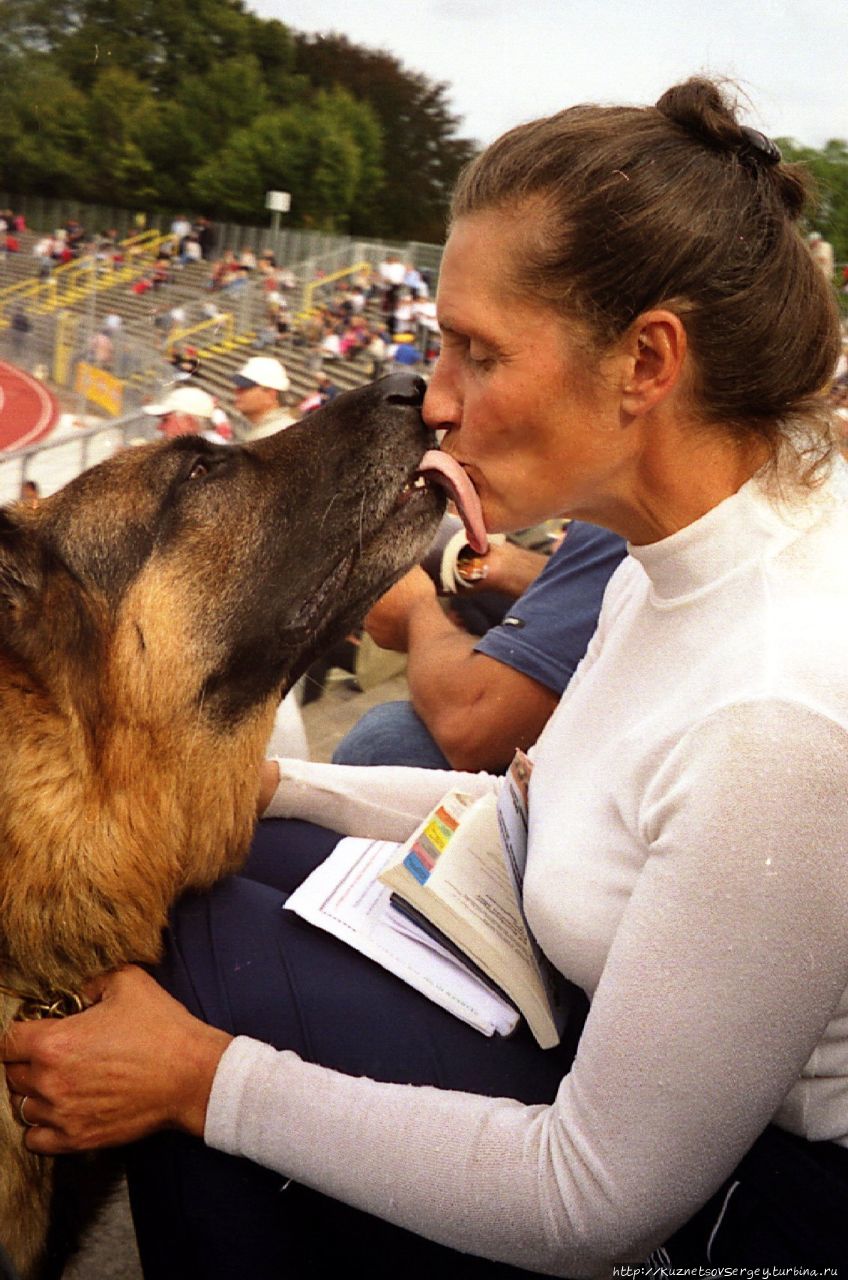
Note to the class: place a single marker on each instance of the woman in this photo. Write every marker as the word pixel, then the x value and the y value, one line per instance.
pixel 632 334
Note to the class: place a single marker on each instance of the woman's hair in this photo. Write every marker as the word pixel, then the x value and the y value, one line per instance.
pixel 680 206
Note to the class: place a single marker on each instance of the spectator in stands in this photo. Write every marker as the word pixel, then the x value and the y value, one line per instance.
pixel 101 349
pixel 331 346
pixel 413 282
pixel 185 411
pixel 161 274
pixel 407 354
pixel 223 270
pixel 391 271
pixel 323 392
pixel 192 251
pixel 204 229
pixel 473 701
pixel 220 428
pixel 354 338
pixel 327 389
pixel 236 280
pixel 378 352
pixel 260 386
pixel 43 251
pixel 180 230
pixel 75 236
pixel 821 251
pixel 426 328
pixel 186 360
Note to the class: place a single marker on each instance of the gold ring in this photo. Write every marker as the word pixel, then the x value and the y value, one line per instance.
pixel 29 1124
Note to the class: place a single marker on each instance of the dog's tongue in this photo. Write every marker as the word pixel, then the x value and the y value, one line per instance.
pixel 449 474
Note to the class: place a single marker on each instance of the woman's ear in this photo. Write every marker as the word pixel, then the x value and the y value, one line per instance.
pixel 656 346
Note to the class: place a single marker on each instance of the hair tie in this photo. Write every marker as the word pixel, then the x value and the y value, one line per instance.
pixel 758 146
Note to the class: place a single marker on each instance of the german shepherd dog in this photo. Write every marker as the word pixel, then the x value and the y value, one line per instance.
pixel 152 613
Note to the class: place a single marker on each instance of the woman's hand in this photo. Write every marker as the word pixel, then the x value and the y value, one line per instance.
pixel 133 1062
pixel 269 780
pixel 387 623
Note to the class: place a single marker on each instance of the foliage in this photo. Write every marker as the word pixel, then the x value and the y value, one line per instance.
pixel 422 156
pixel 829 167
pixel 310 150
pixel 201 102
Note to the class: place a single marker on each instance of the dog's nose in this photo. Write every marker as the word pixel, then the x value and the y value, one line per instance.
pixel 403 388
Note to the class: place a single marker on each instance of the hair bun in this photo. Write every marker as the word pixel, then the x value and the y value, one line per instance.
pixel 706 113
pixel 700 107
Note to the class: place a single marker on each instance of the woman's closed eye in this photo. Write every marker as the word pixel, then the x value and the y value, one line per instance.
pixel 478 356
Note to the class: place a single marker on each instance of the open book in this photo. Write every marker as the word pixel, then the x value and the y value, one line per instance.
pixel 443 911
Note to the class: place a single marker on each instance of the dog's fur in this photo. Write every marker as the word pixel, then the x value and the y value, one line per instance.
pixel 151 614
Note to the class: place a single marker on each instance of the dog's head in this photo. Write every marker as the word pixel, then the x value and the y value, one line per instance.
pixel 152 612
pixel 222 569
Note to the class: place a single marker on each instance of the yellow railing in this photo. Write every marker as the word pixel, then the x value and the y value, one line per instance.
pixel 223 326
pixel 75 279
pixel 308 307
pixel 63 349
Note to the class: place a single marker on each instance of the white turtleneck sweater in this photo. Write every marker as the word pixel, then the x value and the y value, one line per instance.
pixel 688 866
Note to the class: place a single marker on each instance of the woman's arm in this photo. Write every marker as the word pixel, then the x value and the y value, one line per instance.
pixel 381 802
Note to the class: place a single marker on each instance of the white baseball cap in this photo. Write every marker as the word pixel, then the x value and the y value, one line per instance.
pixel 183 400
pixel 262 371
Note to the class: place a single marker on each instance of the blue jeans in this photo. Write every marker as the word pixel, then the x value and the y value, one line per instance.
pixel 391 733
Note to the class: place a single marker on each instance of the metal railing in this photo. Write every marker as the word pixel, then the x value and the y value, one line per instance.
pixel 53 464
pixel 308 304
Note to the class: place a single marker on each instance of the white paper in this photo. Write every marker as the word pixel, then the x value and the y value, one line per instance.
pixel 344 897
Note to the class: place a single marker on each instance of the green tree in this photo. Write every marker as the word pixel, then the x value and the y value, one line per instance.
pixel 122 115
pixel 159 41
pixel 43 124
pixel 306 150
pixel 829 166
pixel 360 122
pixel 422 154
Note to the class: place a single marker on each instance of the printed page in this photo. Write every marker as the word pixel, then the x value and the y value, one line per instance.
pixel 463 869
pixel 344 897
pixel 474 882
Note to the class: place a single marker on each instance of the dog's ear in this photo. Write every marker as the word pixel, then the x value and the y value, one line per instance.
pixel 21 567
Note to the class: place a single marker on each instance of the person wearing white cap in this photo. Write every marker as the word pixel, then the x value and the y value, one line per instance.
pixel 259 387
pixel 184 411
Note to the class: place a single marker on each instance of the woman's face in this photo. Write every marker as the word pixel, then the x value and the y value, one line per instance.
pixel 529 414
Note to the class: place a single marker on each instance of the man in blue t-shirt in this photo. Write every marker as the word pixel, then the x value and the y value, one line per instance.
pixel 473 701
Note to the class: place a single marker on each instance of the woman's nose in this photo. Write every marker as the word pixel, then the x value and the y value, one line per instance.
pixel 442 407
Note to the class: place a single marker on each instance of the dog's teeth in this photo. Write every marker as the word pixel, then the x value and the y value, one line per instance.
pixel 420 483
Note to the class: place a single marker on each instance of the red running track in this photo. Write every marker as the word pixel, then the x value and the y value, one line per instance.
pixel 28 410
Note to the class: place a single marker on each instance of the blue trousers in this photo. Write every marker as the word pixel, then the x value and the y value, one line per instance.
pixel 391 733
pixel 240 962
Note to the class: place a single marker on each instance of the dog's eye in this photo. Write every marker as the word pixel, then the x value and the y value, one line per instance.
pixel 200 468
